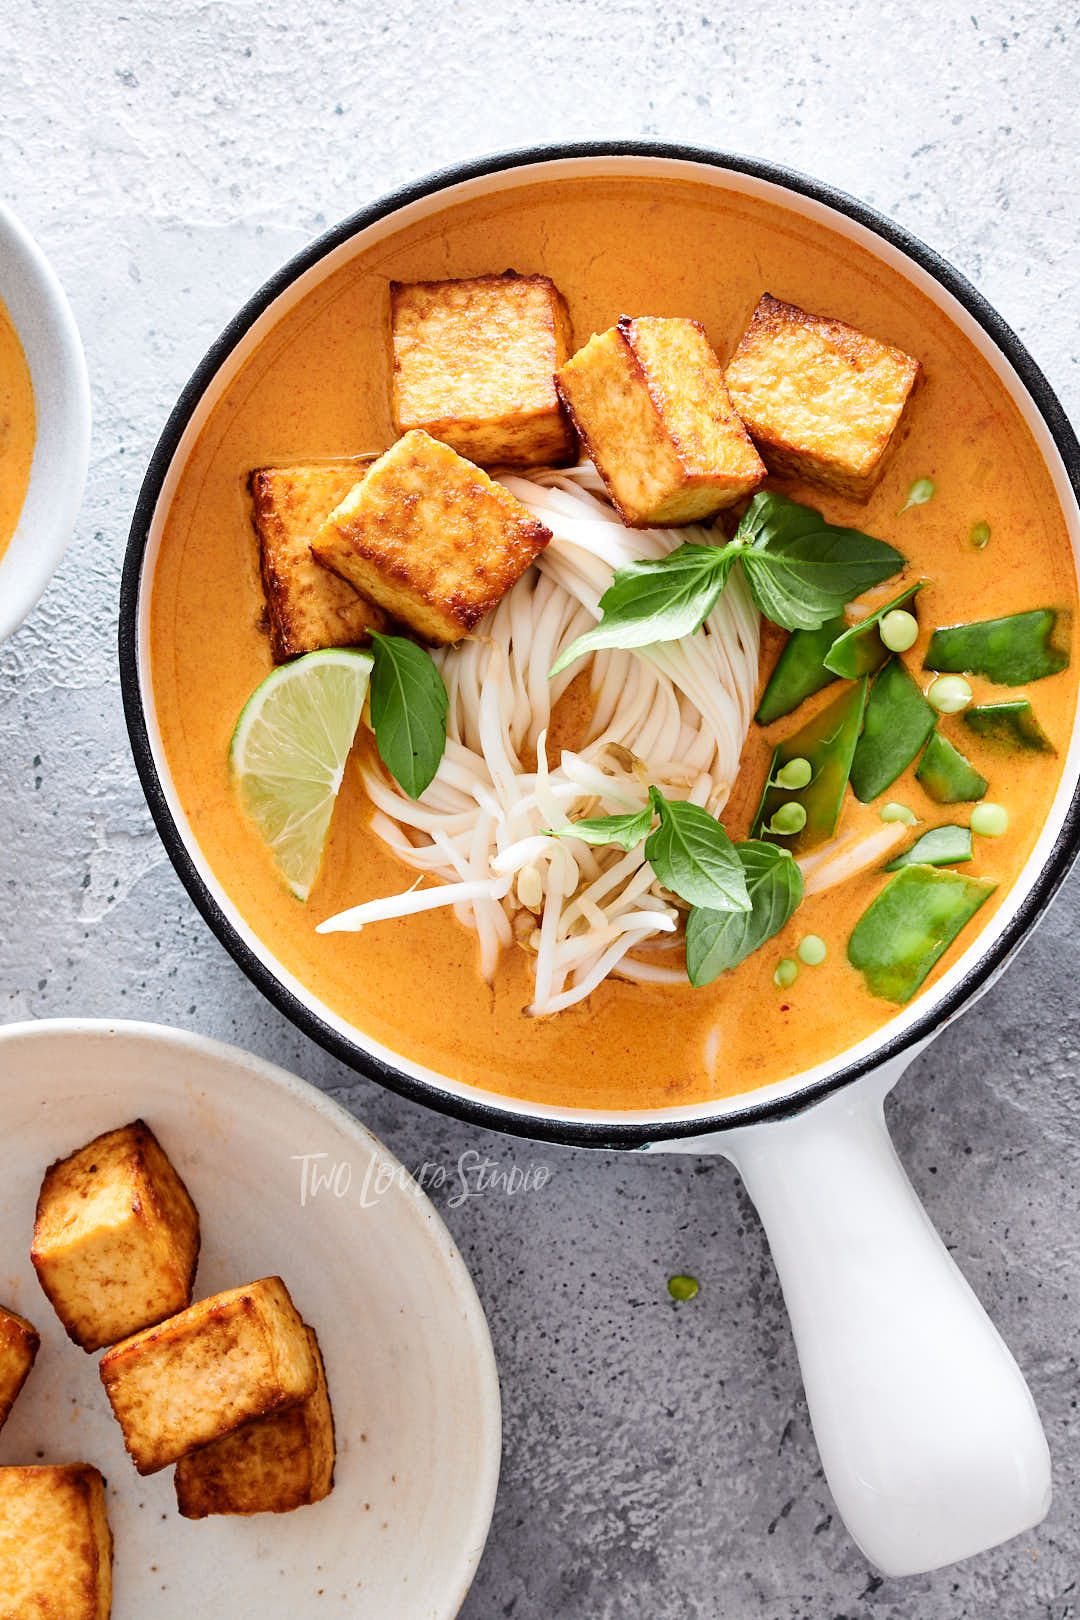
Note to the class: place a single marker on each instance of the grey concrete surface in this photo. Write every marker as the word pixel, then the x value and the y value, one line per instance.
pixel 658 1459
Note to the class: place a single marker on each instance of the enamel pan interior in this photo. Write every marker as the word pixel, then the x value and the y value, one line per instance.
pixel 901 253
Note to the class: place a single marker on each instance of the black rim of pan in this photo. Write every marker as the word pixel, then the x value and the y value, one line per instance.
pixel 604 1134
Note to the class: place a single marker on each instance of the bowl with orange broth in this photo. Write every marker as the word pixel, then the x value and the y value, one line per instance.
pixel 868 685
pixel 44 422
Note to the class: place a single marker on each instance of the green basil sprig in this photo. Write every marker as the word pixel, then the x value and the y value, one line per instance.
pixel 662 599
pixel 693 856
pixel 801 571
pixel 409 703
pixel 688 850
pixel 626 830
pixel 719 940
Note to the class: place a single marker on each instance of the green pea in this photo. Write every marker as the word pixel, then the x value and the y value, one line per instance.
pixel 949 694
pixel 989 820
pixel 919 493
pixel 794 775
pixel 787 971
pixel 788 820
pixel 812 950
pixel 980 534
pixel 682 1287
pixel 898 812
pixel 899 630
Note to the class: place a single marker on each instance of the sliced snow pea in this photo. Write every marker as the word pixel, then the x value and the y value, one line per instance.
pixel 1011 724
pixel 860 650
pixel 908 927
pixel 828 742
pixel 1009 652
pixel 941 846
pixel 898 722
pixel 946 775
pixel 800 671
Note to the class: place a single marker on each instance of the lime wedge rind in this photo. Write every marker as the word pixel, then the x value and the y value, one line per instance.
pixel 288 755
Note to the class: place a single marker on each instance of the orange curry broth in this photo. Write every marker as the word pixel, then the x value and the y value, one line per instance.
pixel 318 386
pixel 16 429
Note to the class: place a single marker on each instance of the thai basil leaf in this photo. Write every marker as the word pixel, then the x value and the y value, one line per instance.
pixel 719 940
pixel 659 600
pixel 693 856
pixel 802 570
pixel 626 830
pixel 408 711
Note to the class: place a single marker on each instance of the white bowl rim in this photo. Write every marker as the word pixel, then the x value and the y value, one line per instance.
pixel 485 1480
pixel 42 317
pixel 605 1128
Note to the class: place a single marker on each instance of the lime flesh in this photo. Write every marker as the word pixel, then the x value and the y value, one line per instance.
pixel 288 754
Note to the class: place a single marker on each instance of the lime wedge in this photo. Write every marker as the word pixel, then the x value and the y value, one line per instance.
pixel 288 755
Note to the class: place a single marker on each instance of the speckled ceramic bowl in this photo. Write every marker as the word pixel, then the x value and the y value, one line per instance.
pixel 42 317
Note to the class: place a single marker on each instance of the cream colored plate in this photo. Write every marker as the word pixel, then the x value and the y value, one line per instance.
pixel 369 1263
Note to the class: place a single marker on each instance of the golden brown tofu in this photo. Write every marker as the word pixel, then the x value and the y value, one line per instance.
pixel 200 1375
pixel 431 538
pixel 821 400
pixel 648 399
pixel 272 1465
pixel 308 606
pixel 474 364
pixel 19 1344
pixel 55 1544
pixel 116 1239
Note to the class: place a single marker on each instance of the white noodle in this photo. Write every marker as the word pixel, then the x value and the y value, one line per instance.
pixel 413 900
pixel 675 714
pixel 836 862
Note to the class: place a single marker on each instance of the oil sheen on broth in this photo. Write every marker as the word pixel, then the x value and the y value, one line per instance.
pixel 317 386
pixel 16 429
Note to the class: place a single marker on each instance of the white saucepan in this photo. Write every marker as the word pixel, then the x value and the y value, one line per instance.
pixel 929 1437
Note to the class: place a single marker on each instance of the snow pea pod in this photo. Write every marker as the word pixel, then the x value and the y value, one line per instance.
pixel 800 671
pixel 946 775
pixel 828 742
pixel 860 650
pixel 1011 724
pixel 908 927
pixel 941 846
pixel 898 722
pixel 1009 651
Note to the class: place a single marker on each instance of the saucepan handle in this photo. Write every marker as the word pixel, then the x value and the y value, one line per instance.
pixel 929 1437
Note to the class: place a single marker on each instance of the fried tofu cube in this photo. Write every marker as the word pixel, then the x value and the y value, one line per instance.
pixel 55 1544
pixel 431 538
pixel 19 1344
pixel 648 399
pixel 308 606
pixel 116 1239
pixel 272 1465
pixel 821 400
pixel 474 364
pixel 200 1375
